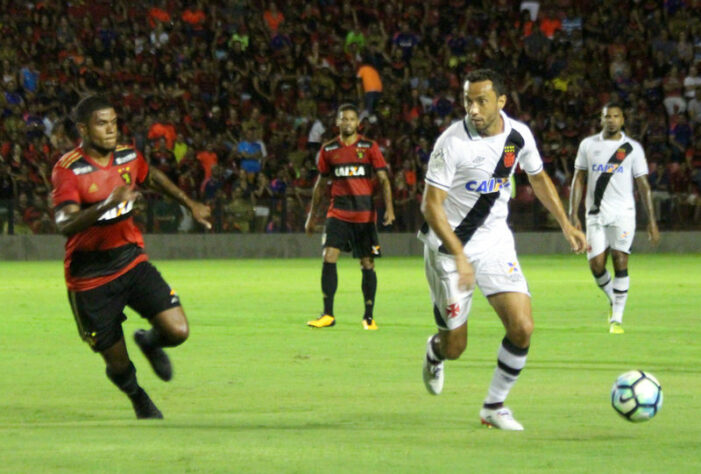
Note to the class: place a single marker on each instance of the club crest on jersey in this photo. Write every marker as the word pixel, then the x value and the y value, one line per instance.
pixel 124 173
pixel 360 154
pixel 509 155
pixel 620 154
pixel 93 188
pixel 487 186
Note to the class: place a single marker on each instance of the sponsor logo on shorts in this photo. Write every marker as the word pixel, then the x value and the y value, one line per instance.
pixel 513 268
pixel 452 310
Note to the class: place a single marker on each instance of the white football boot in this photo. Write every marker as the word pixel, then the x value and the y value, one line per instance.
pixel 433 373
pixel 501 418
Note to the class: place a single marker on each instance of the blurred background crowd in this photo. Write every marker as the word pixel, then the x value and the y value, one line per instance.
pixel 232 98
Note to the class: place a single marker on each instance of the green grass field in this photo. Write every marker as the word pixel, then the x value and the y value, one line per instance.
pixel 255 390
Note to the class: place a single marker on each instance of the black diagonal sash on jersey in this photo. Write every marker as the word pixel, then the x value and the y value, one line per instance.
pixel 603 181
pixel 479 212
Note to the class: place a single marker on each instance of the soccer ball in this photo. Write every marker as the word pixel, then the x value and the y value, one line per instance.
pixel 636 396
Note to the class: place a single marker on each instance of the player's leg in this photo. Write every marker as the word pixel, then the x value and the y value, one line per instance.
pixel 369 288
pixel 451 306
pixel 366 247
pixel 155 300
pixel 621 283
pixel 597 255
pixel 99 315
pixel 514 310
pixel 336 238
pixel 121 371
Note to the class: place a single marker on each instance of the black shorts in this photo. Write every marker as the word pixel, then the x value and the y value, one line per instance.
pixel 346 236
pixel 99 312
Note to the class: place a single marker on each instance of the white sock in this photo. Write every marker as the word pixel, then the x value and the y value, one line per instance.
pixel 604 282
pixel 510 362
pixel 621 283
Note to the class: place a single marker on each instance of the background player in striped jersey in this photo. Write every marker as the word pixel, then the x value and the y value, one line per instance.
pixel 105 266
pixel 349 162
pixel 467 240
pixel 610 161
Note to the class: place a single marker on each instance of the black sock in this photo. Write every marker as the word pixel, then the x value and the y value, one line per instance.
pixel 126 381
pixel 369 287
pixel 329 283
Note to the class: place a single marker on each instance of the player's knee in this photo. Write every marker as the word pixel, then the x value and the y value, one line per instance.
pixel 367 264
pixel 178 333
pixel 520 335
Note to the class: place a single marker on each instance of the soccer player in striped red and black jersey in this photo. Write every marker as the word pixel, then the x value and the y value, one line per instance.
pixel 350 161
pixel 106 268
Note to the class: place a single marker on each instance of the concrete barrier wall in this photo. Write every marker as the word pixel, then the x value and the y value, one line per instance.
pixel 201 246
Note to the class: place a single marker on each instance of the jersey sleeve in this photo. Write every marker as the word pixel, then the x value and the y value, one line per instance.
pixel 376 159
pixel 639 161
pixel 580 162
pixel 529 159
pixel 142 172
pixel 441 167
pixel 65 187
pixel 322 163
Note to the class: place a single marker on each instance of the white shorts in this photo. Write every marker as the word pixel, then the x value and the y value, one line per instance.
pixel 496 271
pixel 616 233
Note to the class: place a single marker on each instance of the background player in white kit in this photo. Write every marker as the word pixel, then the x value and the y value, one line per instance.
pixel 467 240
pixel 611 160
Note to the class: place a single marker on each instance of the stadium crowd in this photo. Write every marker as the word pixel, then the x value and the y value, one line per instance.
pixel 232 98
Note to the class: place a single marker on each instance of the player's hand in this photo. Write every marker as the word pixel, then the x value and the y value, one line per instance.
pixel 309 225
pixel 653 234
pixel 389 218
pixel 201 213
pixel 121 194
pixel 576 238
pixel 466 273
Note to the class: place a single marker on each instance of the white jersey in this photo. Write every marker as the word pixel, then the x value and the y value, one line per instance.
pixel 475 172
pixel 611 166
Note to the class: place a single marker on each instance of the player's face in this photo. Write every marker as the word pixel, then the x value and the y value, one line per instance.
pixel 612 120
pixel 347 122
pixel 483 105
pixel 101 130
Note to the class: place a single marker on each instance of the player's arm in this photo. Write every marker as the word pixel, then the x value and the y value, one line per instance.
pixel 646 196
pixel 317 194
pixel 576 197
pixel 387 196
pixel 547 194
pixel 159 182
pixel 70 219
pixel 434 213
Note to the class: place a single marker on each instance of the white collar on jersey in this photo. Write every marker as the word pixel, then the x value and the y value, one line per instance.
pixel 473 134
pixel 623 136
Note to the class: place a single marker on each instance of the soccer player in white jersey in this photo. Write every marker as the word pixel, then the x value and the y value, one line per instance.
pixel 611 160
pixel 467 240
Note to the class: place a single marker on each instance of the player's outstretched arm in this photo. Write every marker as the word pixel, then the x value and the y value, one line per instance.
pixel 70 219
pixel 547 194
pixel 576 197
pixel 159 182
pixel 317 194
pixel 643 186
pixel 433 211
pixel 387 196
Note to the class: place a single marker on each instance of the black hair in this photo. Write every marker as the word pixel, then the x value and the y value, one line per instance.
pixel 348 106
pixel 479 75
pixel 614 105
pixel 85 108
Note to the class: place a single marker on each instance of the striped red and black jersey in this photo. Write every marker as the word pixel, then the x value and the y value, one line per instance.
pixel 351 169
pixel 113 245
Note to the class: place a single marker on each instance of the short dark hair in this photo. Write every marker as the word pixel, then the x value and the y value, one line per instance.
pixel 614 105
pixel 479 75
pixel 85 108
pixel 348 106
